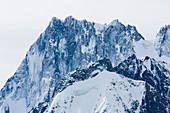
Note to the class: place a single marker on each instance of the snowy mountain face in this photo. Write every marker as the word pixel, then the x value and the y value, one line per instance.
pixel 132 86
pixel 115 93
pixel 63 47
pixel 162 43
pixel 74 61
pixel 157 78
pixel 76 76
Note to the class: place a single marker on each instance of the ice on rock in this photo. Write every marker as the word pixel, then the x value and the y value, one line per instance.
pixel 115 22
pixel 64 47
pixel 162 42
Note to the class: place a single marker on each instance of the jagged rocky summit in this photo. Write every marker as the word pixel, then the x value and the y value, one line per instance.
pixel 63 55
pixel 162 42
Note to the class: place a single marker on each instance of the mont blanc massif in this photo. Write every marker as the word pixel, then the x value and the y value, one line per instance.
pixel 76 66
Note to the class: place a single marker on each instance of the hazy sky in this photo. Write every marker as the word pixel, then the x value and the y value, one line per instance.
pixel 22 21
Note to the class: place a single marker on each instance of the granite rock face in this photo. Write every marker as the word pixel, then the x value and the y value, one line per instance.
pixel 73 53
pixel 60 49
pixel 162 42
pixel 156 76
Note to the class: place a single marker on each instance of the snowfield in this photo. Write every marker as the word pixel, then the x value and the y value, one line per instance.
pixel 107 92
pixel 55 75
pixel 146 48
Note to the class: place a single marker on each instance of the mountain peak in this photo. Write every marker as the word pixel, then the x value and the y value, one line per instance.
pixel 54 21
pixel 62 48
pixel 115 22
pixel 69 17
pixel 164 29
pixel 162 42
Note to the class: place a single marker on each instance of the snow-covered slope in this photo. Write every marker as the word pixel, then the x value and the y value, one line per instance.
pixel 63 54
pixel 162 42
pixel 86 88
pixel 60 49
pixel 145 48
pixel 107 92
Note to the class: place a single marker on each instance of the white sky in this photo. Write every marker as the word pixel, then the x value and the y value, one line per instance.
pixel 21 21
